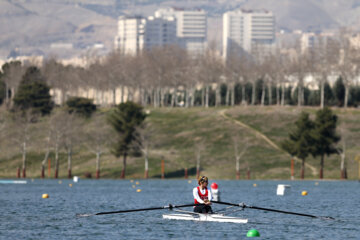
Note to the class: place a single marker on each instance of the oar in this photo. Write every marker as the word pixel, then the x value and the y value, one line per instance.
pixel 170 207
pixel 270 210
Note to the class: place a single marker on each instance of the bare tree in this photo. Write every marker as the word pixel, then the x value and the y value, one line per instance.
pixel 322 59
pixel 72 136
pixel 233 73
pixel 144 142
pixel 57 76
pixel 199 148
pixel 157 67
pixel 210 70
pixel 299 69
pixel 3 122
pixel 47 139
pixel 114 65
pixel 66 133
pixel 349 59
pixel 238 154
pixel 21 135
pixel 13 72
pixel 98 138
pixel 345 135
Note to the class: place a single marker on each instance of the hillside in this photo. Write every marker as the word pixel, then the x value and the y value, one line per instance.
pixel 178 133
pixel 29 27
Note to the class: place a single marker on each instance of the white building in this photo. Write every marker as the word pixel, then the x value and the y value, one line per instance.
pixel 248 30
pixel 138 33
pixel 159 32
pixel 130 37
pixel 191 27
pixel 310 40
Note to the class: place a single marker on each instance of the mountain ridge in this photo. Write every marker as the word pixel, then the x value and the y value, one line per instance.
pixel 32 25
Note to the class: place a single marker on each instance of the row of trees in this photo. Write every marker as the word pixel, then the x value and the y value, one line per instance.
pixel 316 138
pixel 169 76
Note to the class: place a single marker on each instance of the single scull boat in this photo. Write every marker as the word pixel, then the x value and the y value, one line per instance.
pixel 205 217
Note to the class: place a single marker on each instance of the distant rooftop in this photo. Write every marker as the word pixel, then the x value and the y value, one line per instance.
pixel 252 10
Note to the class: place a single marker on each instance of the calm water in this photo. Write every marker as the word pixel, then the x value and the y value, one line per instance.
pixel 25 215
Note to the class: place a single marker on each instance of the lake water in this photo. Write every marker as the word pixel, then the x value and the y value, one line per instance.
pixel 25 215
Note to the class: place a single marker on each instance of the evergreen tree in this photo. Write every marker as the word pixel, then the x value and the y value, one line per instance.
pixel 339 92
pixel 300 140
pixel 328 94
pixel 2 89
pixel 33 93
pixel 32 75
pixel 82 106
pixel 324 135
pixel 124 119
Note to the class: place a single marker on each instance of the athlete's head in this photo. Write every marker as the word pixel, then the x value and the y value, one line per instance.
pixel 203 179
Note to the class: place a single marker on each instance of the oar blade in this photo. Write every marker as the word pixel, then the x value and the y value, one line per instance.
pixel 80 215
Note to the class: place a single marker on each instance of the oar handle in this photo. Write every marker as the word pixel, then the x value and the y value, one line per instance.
pixel 230 204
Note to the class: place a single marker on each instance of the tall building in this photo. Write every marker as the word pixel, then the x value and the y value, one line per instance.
pixel 130 36
pixel 138 33
pixel 191 27
pixel 311 40
pixel 159 32
pixel 248 31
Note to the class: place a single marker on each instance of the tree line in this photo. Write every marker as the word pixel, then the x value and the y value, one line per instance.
pixel 169 76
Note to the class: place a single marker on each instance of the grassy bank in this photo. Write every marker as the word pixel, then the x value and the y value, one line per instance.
pixel 177 135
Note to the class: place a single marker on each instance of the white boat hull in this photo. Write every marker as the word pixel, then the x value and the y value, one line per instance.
pixel 205 218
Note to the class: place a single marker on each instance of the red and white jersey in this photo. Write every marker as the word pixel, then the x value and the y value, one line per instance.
pixel 201 194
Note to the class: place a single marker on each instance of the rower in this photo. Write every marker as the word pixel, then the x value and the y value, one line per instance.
pixel 202 196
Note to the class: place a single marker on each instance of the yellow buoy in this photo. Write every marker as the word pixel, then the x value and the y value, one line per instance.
pixel 45 195
pixel 70 184
pixel 131 181
pixel 60 182
pixel 304 193
pixel 316 183
pixel 254 184
pixel 138 190
pixel 189 181
pixel 137 183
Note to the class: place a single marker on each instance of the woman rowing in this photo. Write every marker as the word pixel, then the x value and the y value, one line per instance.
pixel 202 196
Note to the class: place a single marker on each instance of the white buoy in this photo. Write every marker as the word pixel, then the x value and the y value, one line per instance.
pixel 76 179
pixel 282 189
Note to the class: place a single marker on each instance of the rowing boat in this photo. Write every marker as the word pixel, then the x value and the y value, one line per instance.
pixel 205 217
pixel 211 217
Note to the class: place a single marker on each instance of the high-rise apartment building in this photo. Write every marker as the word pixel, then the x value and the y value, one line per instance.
pixel 311 40
pixel 191 27
pixel 130 37
pixel 138 33
pixel 159 32
pixel 248 30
